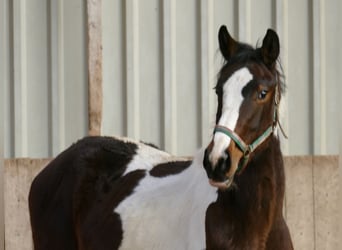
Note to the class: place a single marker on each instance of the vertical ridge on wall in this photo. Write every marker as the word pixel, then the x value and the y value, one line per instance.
pixel 332 72
pixel 150 72
pixel 318 77
pixel 206 67
pixel 61 80
pixel 57 122
pixel 6 51
pixel 169 114
pixel 299 84
pixel 132 68
pixel 244 25
pixel 74 65
pixel 281 28
pixel 113 55
pixel 20 84
pixel 281 23
pixel 50 28
pixel 4 81
pixel 188 76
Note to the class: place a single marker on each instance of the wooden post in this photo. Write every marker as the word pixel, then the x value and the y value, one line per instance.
pixel 94 66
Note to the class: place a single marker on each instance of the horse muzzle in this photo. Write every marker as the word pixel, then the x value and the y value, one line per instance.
pixel 220 169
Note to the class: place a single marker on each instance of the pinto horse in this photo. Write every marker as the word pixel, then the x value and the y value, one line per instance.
pixel 111 193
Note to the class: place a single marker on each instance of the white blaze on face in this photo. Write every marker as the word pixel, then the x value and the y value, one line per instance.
pixel 231 102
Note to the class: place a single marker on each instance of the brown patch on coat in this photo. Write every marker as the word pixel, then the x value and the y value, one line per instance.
pixel 169 168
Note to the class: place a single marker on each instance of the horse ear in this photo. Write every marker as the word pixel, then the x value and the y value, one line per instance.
pixel 270 48
pixel 228 45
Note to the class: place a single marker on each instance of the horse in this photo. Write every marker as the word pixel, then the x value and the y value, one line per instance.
pixel 116 193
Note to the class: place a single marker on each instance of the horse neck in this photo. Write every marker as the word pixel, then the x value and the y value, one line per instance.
pixel 263 178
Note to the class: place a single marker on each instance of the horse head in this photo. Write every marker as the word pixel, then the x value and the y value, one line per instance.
pixel 248 91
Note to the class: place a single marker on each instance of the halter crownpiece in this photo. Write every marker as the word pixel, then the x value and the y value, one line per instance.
pixel 276 112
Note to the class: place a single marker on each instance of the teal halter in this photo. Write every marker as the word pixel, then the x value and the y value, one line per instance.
pixel 248 149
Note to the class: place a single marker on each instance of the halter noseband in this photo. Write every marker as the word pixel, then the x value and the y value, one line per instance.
pixel 248 149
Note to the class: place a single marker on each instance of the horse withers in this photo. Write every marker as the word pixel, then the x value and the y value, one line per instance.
pixel 114 193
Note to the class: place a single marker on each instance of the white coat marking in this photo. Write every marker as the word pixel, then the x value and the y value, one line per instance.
pixel 231 102
pixel 146 156
pixel 168 212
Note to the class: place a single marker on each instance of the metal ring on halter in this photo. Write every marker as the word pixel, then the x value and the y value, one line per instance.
pixel 248 151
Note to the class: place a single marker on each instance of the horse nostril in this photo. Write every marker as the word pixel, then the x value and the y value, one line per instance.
pixel 224 163
pixel 221 165
pixel 219 169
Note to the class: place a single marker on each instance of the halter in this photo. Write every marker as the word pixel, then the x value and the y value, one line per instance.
pixel 248 149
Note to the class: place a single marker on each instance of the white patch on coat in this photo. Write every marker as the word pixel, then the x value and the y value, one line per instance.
pixel 168 212
pixel 231 102
pixel 147 157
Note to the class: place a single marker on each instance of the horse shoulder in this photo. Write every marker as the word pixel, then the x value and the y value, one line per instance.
pixel 168 203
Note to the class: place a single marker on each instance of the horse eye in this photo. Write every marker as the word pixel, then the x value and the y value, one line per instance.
pixel 262 94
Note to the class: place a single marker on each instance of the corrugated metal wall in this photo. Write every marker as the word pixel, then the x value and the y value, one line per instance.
pixel 45 76
pixel 160 61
